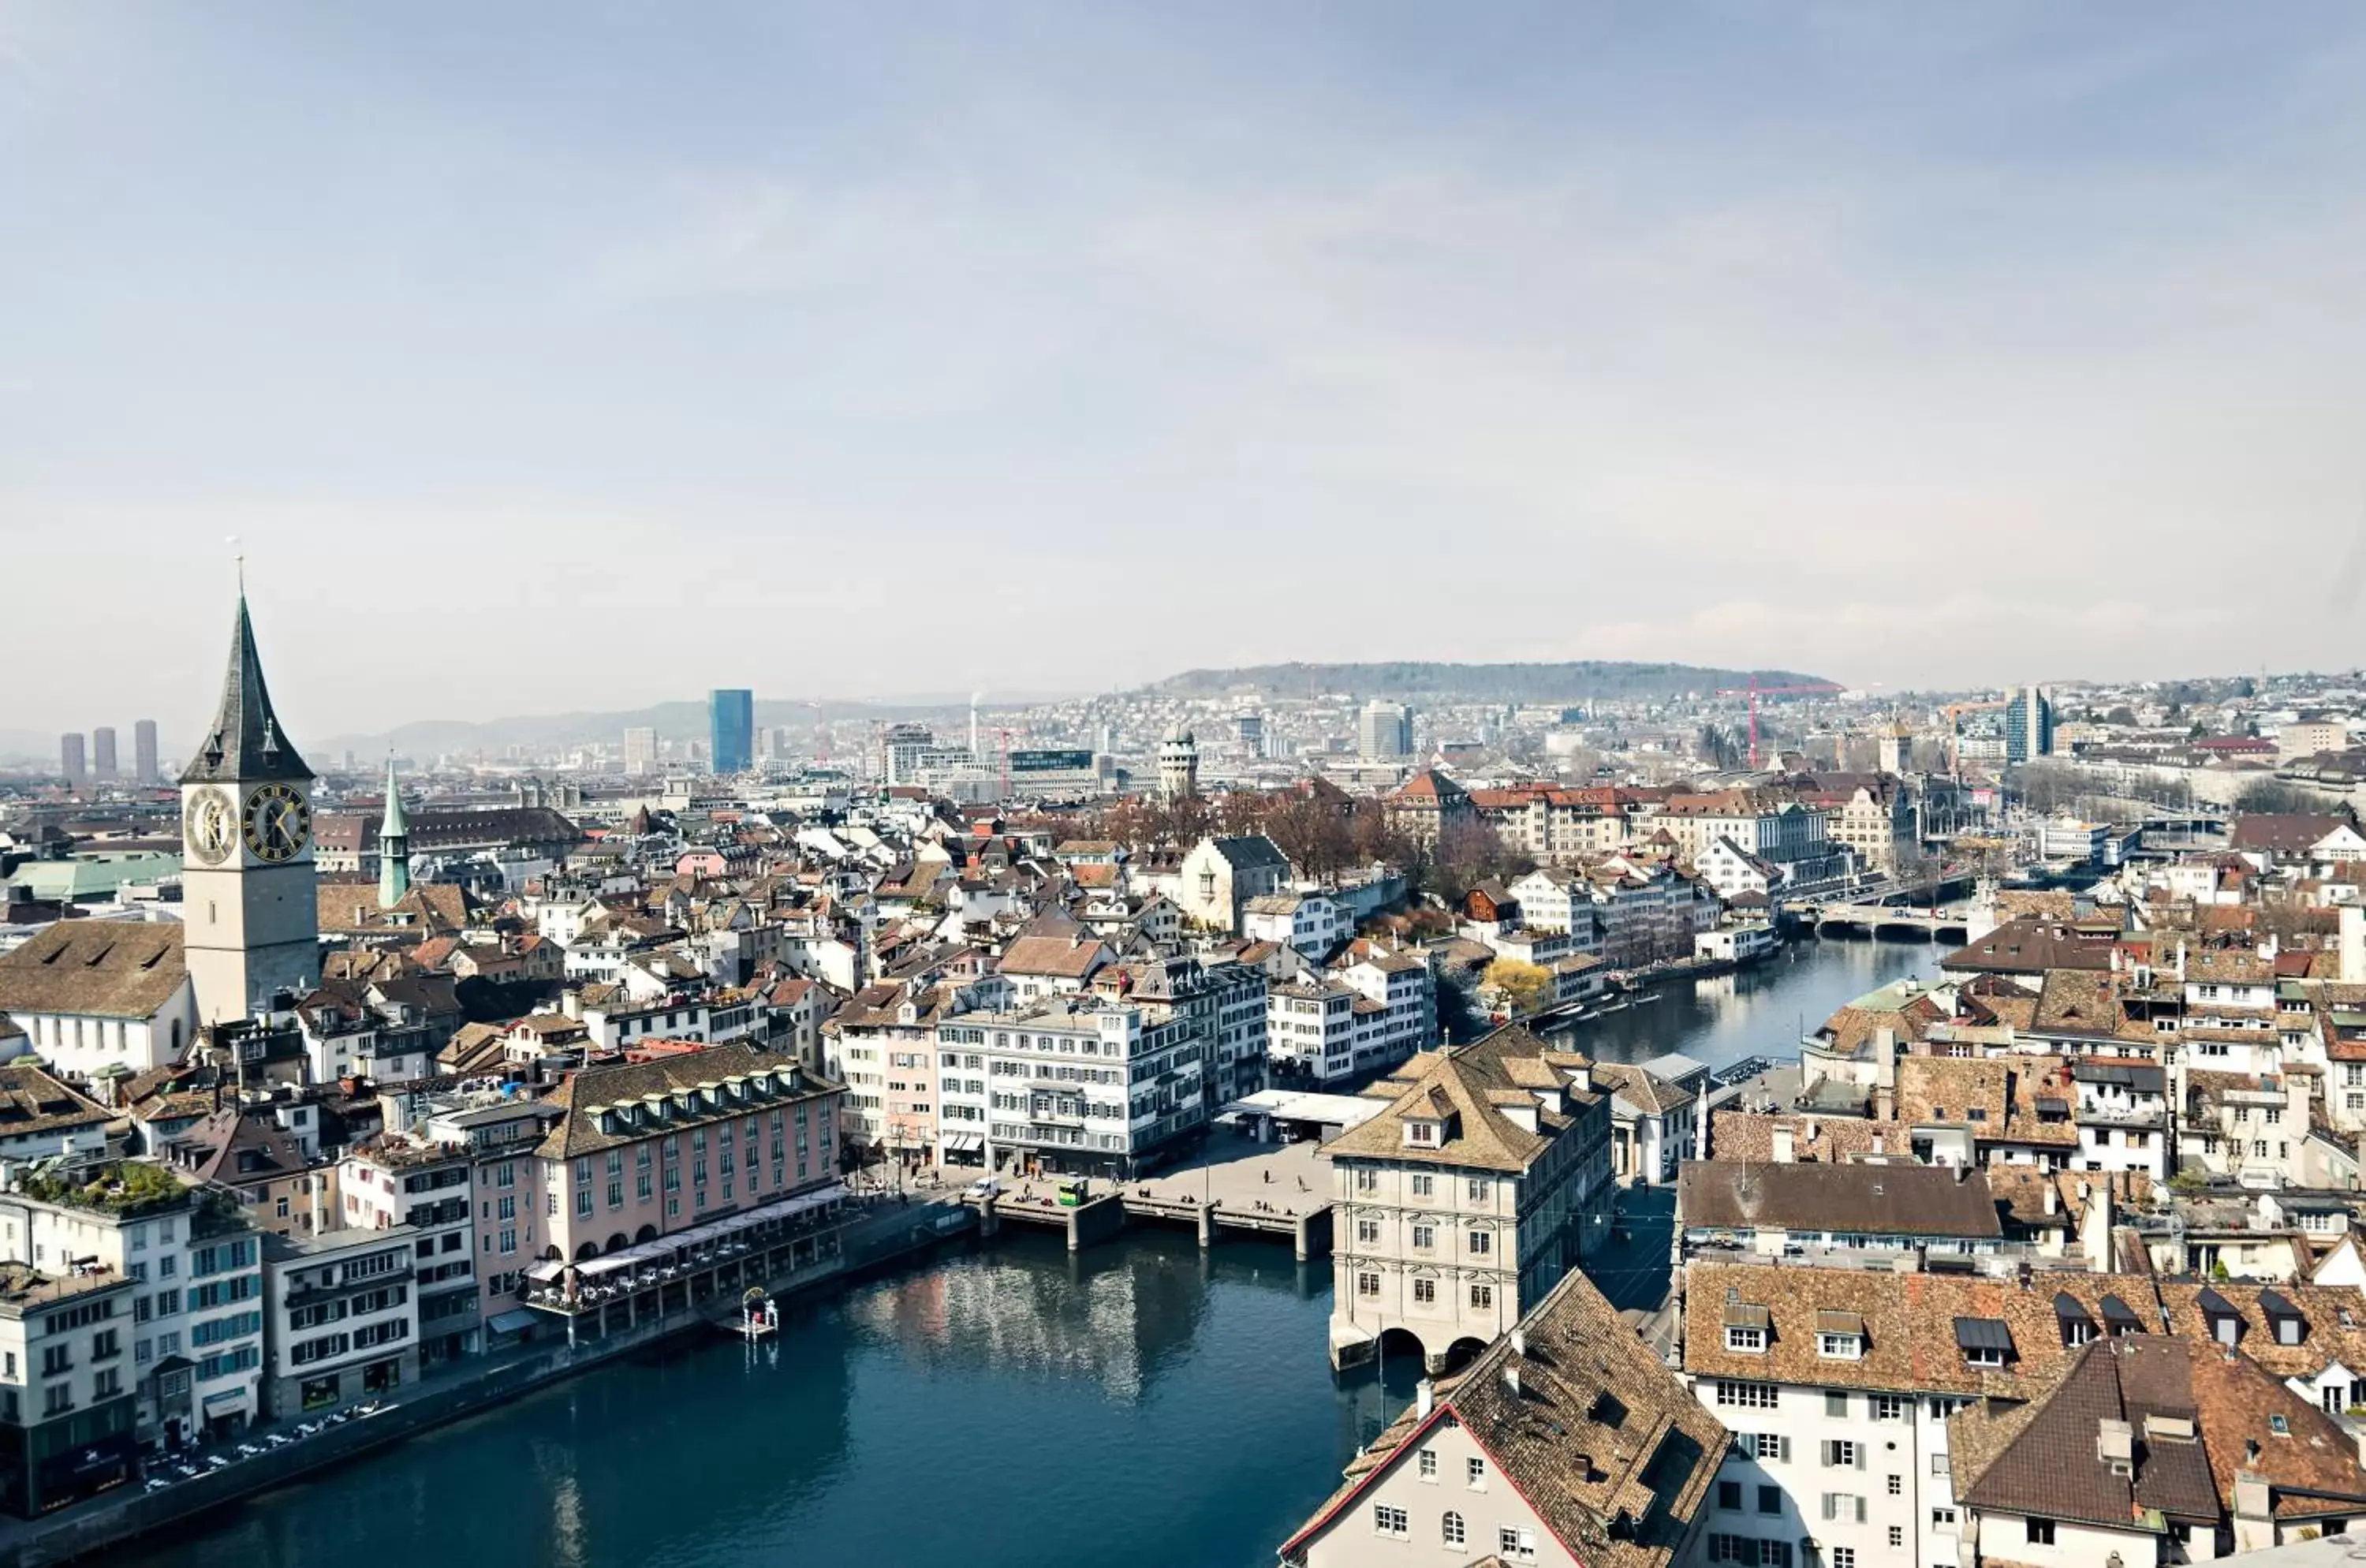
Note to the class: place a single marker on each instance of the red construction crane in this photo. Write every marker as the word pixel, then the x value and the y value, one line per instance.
pixel 1755 691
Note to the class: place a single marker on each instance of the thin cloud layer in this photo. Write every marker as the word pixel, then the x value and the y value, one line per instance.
pixel 1052 347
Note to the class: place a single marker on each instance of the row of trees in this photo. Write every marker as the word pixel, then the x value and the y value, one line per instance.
pixel 1323 833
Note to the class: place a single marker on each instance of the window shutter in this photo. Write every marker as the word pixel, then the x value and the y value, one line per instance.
pixel 1828 1453
pixel 1860 1454
pixel 1860 1510
pixel 1829 1509
pixel 1783 1448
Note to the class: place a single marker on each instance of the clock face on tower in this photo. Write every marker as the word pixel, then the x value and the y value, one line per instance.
pixel 210 826
pixel 277 822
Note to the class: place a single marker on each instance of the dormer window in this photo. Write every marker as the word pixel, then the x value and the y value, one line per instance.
pixel 2077 1327
pixel 2284 1321
pixel 1984 1342
pixel 1839 1335
pixel 1428 1134
pixel 2224 1323
pixel 1746 1326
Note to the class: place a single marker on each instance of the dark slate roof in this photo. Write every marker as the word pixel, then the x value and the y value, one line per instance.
pixel 245 742
pixel 100 969
pixel 1251 850
pixel 1985 1334
pixel 1879 1200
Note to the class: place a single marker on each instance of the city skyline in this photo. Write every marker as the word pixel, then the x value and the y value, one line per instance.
pixel 1187 312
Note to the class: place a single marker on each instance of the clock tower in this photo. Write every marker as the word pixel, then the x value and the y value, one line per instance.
pixel 250 915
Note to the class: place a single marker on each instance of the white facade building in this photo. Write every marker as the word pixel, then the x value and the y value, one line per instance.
pixel 1071 1084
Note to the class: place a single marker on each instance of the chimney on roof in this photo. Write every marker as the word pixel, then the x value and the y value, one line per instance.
pixel 1512 1377
pixel 1424 1397
pixel 1519 1340
pixel 2053 1198
pixel 1784 1154
pixel 1962 1168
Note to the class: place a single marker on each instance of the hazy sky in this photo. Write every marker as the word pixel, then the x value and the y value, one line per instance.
pixel 578 355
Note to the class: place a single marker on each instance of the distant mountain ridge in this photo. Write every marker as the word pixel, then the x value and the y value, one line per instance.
pixel 1576 681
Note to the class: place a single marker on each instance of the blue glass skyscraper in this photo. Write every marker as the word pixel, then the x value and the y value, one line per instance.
pixel 731 727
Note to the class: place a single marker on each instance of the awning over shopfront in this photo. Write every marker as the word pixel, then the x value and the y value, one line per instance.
pixel 544 1273
pixel 229 1401
pixel 666 1249
pixel 965 1141
pixel 515 1320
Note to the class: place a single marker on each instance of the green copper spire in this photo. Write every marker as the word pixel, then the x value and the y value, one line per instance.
pixel 393 846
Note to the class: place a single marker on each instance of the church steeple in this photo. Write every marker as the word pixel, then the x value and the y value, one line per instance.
pixel 393 846
pixel 245 744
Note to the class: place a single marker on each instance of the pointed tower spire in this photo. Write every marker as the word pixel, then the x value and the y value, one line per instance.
pixel 393 846
pixel 245 743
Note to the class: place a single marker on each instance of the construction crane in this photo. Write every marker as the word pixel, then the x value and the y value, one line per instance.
pixel 1952 712
pixel 1755 691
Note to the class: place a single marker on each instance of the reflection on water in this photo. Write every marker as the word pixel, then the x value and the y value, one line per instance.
pixel 1758 1011
pixel 1112 1316
pixel 1018 1407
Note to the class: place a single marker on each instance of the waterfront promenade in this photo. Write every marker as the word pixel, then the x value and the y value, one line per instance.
pixel 1231 1183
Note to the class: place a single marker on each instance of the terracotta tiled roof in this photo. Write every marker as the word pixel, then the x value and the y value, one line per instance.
pixel 2043 1457
pixel 1606 1445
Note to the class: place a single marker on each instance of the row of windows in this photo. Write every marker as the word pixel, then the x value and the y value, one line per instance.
pixel 1516 1544
pixel 1425 1237
pixel 1423 1184
pixel 1425 1292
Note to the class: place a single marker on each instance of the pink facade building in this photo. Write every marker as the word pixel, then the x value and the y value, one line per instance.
pixel 646 1149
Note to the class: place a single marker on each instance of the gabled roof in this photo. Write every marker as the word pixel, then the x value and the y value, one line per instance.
pixel 1602 1442
pixel 1251 850
pixel 2044 1457
pixel 1481 1135
pixel 97 968
pixel 1875 1199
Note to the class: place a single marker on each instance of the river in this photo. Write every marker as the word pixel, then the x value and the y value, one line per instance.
pixel 1015 1407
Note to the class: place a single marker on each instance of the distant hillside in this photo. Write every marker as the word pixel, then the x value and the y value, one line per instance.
pixel 1583 680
